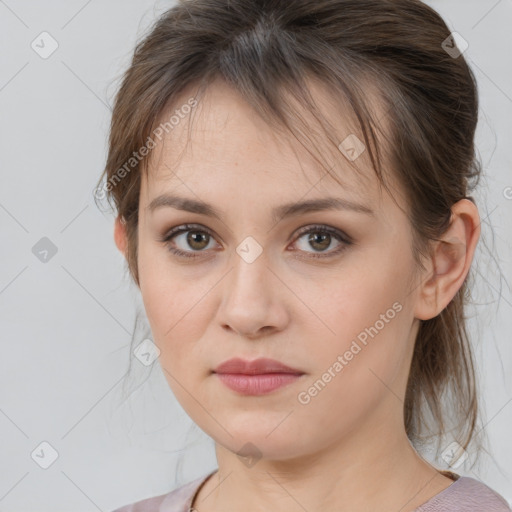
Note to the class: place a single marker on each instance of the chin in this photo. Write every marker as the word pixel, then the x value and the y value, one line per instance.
pixel 259 442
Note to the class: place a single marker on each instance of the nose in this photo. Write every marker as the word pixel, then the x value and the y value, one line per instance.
pixel 254 300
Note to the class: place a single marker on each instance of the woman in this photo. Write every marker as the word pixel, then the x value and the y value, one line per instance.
pixel 308 321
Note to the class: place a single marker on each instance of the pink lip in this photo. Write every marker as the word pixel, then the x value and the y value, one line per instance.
pixel 256 377
pixel 258 366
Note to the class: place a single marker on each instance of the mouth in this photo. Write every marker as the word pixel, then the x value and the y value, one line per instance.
pixel 257 377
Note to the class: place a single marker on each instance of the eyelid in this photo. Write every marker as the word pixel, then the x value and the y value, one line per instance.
pixel 345 242
pixel 324 228
pixel 340 235
pixel 299 231
pixel 185 227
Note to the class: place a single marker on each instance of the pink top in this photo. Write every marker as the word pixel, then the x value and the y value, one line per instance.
pixel 464 495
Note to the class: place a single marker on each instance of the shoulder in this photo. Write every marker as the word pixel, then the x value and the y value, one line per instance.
pixel 178 500
pixel 466 495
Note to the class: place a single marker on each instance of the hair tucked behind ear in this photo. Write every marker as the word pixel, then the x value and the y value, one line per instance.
pixel 264 48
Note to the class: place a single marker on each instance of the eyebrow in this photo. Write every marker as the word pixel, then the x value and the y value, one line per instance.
pixel 279 212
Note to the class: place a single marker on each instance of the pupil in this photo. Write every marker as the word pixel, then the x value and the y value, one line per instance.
pixel 323 237
pixel 200 236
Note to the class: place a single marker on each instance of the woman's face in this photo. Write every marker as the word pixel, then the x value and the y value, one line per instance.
pixel 252 284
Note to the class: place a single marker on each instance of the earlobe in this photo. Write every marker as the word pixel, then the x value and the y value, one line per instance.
pixel 120 234
pixel 451 260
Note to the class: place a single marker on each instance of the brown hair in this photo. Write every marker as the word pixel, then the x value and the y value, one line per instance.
pixel 266 47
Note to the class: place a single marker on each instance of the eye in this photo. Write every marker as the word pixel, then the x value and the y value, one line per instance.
pixel 188 236
pixel 320 238
pixel 198 238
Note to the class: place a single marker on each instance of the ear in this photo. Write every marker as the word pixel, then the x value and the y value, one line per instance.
pixel 451 261
pixel 120 234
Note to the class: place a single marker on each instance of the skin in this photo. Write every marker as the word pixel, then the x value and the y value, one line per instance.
pixel 347 448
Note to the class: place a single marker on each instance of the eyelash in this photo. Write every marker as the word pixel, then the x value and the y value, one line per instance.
pixel 316 228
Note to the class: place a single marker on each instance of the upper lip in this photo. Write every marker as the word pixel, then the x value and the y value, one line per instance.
pixel 257 366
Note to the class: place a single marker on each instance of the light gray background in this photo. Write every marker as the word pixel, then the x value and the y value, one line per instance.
pixel 66 324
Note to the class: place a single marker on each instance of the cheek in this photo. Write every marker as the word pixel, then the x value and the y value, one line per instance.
pixel 369 326
pixel 173 305
pixel 352 301
pixel 358 368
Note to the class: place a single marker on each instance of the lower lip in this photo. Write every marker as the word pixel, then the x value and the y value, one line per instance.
pixel 257 384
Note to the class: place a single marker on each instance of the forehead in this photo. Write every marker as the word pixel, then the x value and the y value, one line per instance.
pixel 222 142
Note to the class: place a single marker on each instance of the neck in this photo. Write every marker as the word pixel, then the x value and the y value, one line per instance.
pixel 362 472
